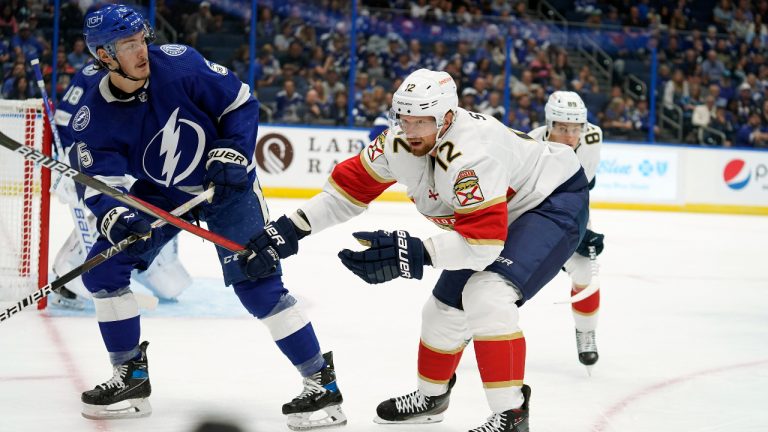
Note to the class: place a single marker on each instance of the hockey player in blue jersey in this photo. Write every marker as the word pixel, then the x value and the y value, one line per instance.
pixel 178 123
pixel 165 277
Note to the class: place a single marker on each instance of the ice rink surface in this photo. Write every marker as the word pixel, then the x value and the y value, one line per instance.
pixel 683 338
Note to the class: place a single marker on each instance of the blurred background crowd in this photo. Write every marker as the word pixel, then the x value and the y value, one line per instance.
pixel 673 71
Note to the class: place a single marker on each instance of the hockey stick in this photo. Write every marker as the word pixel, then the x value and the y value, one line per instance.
pixel 593 286
pixel 41 84
pixel 48 113
pixel 130 200
pixel 96 260
pixel 75 206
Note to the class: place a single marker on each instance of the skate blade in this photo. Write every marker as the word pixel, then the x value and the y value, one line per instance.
pixel 589 369
pixel 130 408
pixel 330 416
pixel 424 419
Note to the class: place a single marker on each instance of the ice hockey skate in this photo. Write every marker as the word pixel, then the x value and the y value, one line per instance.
pixel 514 420
pixel 587 348
pixel 125 395
pixel 415 407
pixel 319 404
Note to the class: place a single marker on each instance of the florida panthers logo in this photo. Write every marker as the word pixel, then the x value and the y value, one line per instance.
pixel 376 147
pixel 467 188
pixel 164 160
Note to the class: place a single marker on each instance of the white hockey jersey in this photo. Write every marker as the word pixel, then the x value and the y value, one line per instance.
pixel 475 183
pixel 588 149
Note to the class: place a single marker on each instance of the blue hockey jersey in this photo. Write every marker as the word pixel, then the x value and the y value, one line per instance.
pixel 83 81
pixel 163 132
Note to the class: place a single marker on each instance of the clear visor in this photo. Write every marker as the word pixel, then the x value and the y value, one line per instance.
pixel 567 129
pixel 413 126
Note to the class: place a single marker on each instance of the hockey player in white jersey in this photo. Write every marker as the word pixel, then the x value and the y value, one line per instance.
pixel 514 209
pixel 566 117
pixel 166 277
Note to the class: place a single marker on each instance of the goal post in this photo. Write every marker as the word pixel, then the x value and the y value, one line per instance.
pixel 24 202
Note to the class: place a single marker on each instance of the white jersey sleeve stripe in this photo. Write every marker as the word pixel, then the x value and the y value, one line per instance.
pixel 242 97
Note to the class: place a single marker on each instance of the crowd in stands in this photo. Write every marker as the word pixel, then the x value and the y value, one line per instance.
pixel 711 73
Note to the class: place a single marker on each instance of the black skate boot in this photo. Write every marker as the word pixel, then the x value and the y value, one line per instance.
pixel 415 407
pixel 130 383
pixel 514 420
pixel 319 404
pixel 587 347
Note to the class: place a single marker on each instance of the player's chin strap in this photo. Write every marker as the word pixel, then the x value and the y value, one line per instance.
pixel 119 70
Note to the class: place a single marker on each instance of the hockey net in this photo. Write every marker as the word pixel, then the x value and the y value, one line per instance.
pixel 24 202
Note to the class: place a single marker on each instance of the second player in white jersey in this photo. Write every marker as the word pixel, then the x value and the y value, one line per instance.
pixel 514 210
pixel 566 117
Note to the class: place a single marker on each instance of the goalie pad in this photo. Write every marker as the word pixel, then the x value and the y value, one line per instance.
pixel 166 277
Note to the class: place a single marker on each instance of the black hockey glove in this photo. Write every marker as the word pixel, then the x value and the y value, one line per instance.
pixel 279 239
pixel 119 223
pixel 591 238
pixel 227 171
pixel 389 255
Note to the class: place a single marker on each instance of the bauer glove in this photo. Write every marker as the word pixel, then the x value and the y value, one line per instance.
pixel 591 238
pixel 120 223
pixel 279 239
pixel 227 171
pixel 389 255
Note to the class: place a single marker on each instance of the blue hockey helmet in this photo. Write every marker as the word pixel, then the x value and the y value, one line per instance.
pixel 104 27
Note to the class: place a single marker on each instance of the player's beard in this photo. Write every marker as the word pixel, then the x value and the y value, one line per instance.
pixel 422 149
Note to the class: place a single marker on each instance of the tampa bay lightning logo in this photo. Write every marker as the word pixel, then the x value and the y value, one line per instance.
pixel 173 49
pixel 89 70
pixel 81 119
pixel 164 160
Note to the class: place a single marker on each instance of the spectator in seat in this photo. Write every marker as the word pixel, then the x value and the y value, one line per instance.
pixel 712 69
pixel 288 103
pixel 5 57
pixel 753 134
pixel 17 72
pixel 704 113
pixel 676 89
pixel 21 89
pixel 744 104
pixel 641 119
pixel 723 122
pixel 201 22
pixel 314 110
pixel 523 86
pixel 296 57
pixel 24 43
pixel 78 57
pixel 617 121
pixel 493 106
pixel 8 24
pixel 338 111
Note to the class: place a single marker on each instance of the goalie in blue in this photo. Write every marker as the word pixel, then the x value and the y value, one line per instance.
pixel 177 123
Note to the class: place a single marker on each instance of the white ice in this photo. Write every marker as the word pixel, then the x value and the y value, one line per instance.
pixel 682 336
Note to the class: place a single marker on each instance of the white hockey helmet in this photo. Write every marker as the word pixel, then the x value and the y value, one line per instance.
pixel 565 106
pixel 425 93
